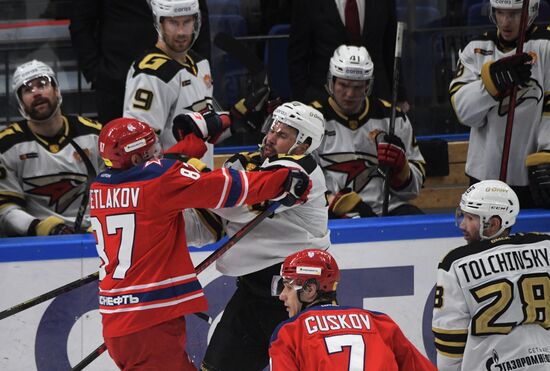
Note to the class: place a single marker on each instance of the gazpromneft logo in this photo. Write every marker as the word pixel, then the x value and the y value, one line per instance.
pixel 111 301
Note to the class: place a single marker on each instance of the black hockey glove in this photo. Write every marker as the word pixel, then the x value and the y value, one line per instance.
pixel 247 114
pixel 296 188
pixel 346 201
pixel 538 165
pixel 500 76
pixel 207 125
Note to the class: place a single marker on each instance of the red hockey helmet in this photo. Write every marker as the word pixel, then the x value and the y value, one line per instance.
pixel 312 264
pixel 124 137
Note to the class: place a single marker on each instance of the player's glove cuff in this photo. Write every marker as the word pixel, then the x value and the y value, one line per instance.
pixel 50 226
pixel 344 202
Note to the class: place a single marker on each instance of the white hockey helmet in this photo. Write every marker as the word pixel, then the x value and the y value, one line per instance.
pixel 27 72
pixel 309 123
pixel 351 63
pixel 490 198
pixel 515 5
pixel 176 8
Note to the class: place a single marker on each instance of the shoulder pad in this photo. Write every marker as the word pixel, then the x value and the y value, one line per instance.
pixel 306 162
pixel 195 57
pixel 249 161
pixel 539 32
pixel 381 109
pixel 157 63
pixel 487 36
pixel 15 133
pixel 83 126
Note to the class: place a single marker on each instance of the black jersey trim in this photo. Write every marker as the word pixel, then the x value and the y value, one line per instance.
pixel 480 246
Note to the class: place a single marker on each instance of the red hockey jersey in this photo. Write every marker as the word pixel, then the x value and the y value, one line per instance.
pixel 330 337
pixel 146 275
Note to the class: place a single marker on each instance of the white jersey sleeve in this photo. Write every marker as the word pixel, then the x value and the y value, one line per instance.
pixel 288 231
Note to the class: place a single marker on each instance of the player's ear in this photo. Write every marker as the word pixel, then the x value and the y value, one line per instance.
pixel 494 224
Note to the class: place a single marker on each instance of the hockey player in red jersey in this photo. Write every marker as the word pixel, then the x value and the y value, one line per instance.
pixel 321 335
pixel 147 279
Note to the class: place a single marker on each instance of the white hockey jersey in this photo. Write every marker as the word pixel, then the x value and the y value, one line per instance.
pixel 46 176
pixel 476 108
pixel 291 229
pixel 349 156
pixel 492 305
pixel 158 88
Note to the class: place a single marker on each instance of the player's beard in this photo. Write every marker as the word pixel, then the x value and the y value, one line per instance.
pixel 44 114
pixel 179 44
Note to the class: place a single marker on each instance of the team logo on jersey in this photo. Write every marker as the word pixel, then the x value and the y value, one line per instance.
pixel 61 189
pixel 26 156
pixel 536 356
pixel 208 81
pixel 532 92
pixel 359 167
pixel 483 51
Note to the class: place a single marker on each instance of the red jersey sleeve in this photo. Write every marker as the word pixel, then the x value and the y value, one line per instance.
pixel 184 187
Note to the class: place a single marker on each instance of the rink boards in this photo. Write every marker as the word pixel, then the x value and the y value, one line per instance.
pixel 388 265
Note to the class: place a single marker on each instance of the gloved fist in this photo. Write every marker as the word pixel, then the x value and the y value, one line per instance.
pixel 295 189
pixel 50 226
pixel 207 125
pixel 500 76
pixel 247 112
pixel 190 146
pixel 391 151
pixel 391 154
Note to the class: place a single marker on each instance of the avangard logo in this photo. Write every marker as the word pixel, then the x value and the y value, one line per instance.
pixel 533 91
pixel 60 189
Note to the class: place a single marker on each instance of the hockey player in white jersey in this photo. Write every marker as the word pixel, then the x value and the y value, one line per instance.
pixel 241 338
pixel 42 173
pixel 488 68
pixel 356 142
pixel 171 79
pixel 492 299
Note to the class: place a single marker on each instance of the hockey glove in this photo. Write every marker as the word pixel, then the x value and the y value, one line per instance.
pixel 295 189
pixel 247 114
pixel 190 146
pixel 208 125
pixel 391 154
pixel 50 226
pixel 538 165
pixel 347 201
pixel 500 76
pixel 343 203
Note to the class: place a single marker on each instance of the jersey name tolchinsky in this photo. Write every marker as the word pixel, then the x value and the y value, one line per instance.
pixel 505 261
pixel 114 198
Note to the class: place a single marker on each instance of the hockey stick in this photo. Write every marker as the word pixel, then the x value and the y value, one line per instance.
pixel 396 63
pixel 86 196
pixel 200 268
pixel 90 358
pixel 513 96
pixel 49 295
